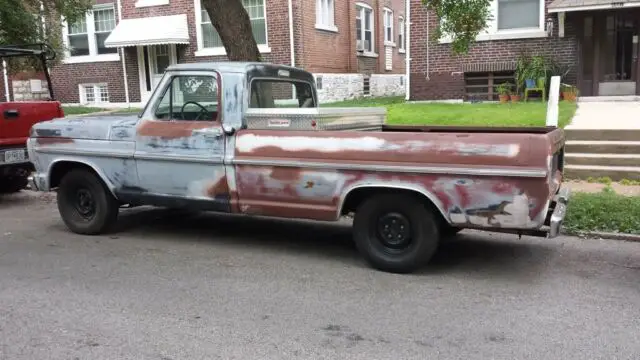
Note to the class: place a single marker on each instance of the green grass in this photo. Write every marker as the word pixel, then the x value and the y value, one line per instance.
pixel 79 110
pixel 465 114
pixel 605 212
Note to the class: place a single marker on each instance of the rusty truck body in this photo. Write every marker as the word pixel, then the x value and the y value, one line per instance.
pixel 223 137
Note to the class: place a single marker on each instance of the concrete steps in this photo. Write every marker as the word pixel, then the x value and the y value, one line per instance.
pixel 613 153
pixel 615 173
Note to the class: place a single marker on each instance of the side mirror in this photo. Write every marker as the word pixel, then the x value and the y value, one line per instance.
pixel 228 130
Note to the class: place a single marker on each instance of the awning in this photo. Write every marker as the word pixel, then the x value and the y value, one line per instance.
pixel 585 5
pixel 156 30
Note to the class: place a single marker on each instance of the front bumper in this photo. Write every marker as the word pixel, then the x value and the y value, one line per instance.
pixel 559 206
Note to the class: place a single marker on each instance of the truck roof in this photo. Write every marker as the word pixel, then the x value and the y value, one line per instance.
pixel 252 69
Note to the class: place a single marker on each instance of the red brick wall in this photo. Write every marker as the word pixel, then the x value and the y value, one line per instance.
pixel 277 31
pixel 442 78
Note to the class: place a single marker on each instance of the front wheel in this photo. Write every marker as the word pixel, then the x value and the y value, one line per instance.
pixel 85 204
pixel 396 233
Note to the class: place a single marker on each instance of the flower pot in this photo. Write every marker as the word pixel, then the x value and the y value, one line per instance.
pixel 569 96
pixel 515 98
pixel 503 98
pixel 530 83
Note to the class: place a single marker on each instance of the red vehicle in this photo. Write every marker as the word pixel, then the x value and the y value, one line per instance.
pixel 16 120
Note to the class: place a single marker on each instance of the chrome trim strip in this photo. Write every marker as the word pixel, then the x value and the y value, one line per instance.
pixel 85 152
pixel 214 160
pixel 395 168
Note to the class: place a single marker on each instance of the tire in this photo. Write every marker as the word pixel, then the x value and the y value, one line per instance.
pixel 404 256
pixel 81 191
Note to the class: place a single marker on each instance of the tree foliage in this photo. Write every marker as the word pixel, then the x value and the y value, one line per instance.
pixel 461 20
pixel 34 21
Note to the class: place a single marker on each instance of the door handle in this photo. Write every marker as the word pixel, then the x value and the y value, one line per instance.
pixel 11 114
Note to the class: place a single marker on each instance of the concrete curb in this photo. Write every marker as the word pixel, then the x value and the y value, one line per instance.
pixel 606 235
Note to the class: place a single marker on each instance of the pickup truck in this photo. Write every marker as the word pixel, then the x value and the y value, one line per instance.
pixel 223 137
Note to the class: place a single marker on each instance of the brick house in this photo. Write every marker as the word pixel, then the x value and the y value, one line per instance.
pixel 118 53
pixel 598 39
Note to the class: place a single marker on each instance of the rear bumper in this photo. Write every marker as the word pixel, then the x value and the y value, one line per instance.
pixel 37 182
pixel 558 209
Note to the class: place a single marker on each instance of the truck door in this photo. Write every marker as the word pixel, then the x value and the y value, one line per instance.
pixel 180 143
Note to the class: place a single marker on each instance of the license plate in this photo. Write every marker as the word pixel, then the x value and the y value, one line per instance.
pixel 12 156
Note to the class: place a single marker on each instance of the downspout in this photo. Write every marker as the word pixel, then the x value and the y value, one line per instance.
pixel 294 94
pixel 428 62
pixel 291 42
pixel 407 55
pixel 124 67
pixel 7 94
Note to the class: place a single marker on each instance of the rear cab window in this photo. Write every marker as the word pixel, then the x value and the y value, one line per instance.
pixel 276 93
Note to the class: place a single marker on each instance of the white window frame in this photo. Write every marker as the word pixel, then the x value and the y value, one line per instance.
pixel 219 51
pixel 361 12
pixel 326 15
pixel 387 16
pixel 402 32
pixel 96 93
pixel 492 33
pixel 91 33
pixel 149 3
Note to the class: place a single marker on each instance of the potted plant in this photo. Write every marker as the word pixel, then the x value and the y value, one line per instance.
pixel 569 92
pixel 536 72
pixel 504 90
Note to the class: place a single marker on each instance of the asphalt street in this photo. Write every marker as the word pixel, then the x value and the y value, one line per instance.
pixel 168 286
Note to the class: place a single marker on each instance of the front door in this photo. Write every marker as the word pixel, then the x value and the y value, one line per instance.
pixel 180 144
pixel 153 61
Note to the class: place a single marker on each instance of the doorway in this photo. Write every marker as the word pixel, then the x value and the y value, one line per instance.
pixel 153 60
pixel 620 55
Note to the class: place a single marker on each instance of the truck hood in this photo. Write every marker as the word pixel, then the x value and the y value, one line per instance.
pixel 97 127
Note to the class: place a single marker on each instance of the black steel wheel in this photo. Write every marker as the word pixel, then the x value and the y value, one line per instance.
pixel 396 232
pixel 85 204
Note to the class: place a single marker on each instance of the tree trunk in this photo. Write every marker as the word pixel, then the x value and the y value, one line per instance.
pixel 233 24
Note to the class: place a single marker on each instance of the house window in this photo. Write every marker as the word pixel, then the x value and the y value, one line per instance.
pixel 325 15
pixel 364 28
pixel 86 36
pixel 104 22
pixel 94 93
pixel 401 44
pixel 256 11
pixel 518 14
pixel 79 38
pixel 388 26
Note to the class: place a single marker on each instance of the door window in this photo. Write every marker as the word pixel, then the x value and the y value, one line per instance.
pixel 189 97
pixel 163 58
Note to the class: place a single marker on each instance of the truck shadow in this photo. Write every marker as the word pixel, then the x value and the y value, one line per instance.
pixel 471 253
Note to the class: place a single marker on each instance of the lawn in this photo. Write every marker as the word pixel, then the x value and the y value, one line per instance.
pixel 465 114
pixel 79 110
pixel 606 211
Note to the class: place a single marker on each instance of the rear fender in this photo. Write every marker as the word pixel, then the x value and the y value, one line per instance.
pixel 427 195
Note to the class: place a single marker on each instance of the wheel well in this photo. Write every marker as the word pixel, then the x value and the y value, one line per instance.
pixel 359 195
pixel 60 169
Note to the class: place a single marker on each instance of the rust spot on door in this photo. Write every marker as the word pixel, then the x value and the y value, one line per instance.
pixel 170 129
pixel 220 187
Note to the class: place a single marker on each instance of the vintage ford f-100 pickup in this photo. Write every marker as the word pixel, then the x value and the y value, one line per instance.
pixel 249 138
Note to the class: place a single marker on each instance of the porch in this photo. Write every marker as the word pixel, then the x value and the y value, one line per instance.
pixel 607 41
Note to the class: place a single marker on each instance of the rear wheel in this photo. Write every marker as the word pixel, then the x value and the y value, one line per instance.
pixel 85 204
pixel 396 233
